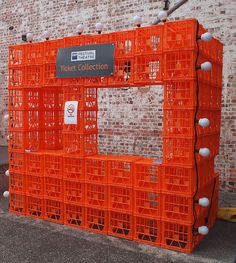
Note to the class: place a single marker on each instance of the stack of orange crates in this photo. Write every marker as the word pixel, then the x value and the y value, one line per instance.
pixel 190 94
pixel 56 172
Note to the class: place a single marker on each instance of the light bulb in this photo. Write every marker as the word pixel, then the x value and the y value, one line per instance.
pixel 99 27
pixel 8 137
pixel 29 37
pixel 206 66
pixel 162 15
pixel 204 202
pixel 206 37
pixel 203 230
pixel 204 122
pixel 137 20
pixel 80 29
pixel 7 173
pixel 47 35
pixel 6 117
pixel 6 194
pixel 205 152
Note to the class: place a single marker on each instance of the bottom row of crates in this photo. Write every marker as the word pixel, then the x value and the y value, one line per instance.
pixel 150 230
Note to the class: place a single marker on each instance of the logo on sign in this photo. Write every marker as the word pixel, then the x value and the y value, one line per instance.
pixel 71 109
pixel 83 55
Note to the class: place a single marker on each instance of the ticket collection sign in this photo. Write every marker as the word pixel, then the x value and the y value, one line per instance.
pixel 85 61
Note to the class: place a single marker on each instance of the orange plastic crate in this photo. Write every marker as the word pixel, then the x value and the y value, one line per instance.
pixel 212 77
pixel 121 169
pixel 74 40
pixel 181 122
pixel 16 55
pixel 180 35
pixel 147 230
pixel 120 224
pixel 214 210
pixel 120 198
pixel 34 185
pixel 17 203
pixel 17 183
pixel 52 139
pixel 53 188
pixel 73 82
pixel 51 120
pixel 17 120
pixel 87 97
pixel 49 75
pixel 212 49
pixel 53 164
pixel 179 65
pixel 211 215
pixel 181 150
pixel 147 203
pixel 16 141
pixel 123 73
pixel 149 40
pixel 16 76
pixel 178 179
pixel 182 94
pixel 51 48
pixel 73 168
pixel 34 120
pixel 181 208
pixel 35 206
pixel 24 120
pixel 148 69
pixel 16 99
pixel 96 195
pixel 96 220
pixel 24 99
pixel 87 123
pixel 95 82
pixel 35 163
pixel 80 144
pixel 74 192
pixel 54 210
pixel 34 53
pixel 147 174
pixel 33 76
pixel 124 42
pixel 17 162
pixel 32 140
pixel 52 98
pixel 95 39
pixel 74 215
pixel 179 236
pixel 96 169
pixel 32 99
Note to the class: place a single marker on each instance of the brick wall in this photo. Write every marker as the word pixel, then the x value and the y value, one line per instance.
pixel 130 120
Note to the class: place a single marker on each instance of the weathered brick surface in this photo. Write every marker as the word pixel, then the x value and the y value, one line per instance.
pixel 130 119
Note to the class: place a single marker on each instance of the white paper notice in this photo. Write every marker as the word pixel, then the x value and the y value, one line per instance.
pixel 70 112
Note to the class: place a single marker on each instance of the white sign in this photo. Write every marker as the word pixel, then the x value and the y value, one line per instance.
pixel 70 112
pixel 83 55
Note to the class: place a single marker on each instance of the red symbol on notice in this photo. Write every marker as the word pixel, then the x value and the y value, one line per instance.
pixel 71 109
